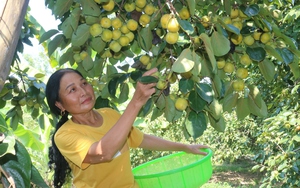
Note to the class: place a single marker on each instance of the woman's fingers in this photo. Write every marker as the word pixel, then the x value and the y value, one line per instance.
pixel 150 72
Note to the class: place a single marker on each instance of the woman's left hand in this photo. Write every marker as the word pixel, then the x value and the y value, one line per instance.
pixel 196 149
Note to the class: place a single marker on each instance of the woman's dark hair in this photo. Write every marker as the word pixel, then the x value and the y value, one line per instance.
pixel 57 162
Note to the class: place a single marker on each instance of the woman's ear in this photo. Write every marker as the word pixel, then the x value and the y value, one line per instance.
pixel 59 105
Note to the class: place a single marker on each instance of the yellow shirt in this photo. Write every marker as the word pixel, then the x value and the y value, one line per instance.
pixel 74 141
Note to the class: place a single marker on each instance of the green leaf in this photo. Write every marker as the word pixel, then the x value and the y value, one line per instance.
pixel 101 102
pixel 296 138
pixel 55 43
pixel 124 92
pixel 113 85
pixel 287 55
pixel 186 85
pixel 274 52
pixel 18 166
pixel 295 69
pixel 186 26
pixel 256 53
pixel 61 7
pixel 254 109
pixel 215 109
pixel 251 10
pixel 148 79
pixel 81 35
pixel 196 102
pixel 242 109
pixel 47 35
pixel 195 124
pixel 36 178
pixel 191 6
pixel 205 92
pixel 98 44
pixel 169 109
pixel 208 47
pixel 220 44
pixel 267 68
pixel 71 23
pixel 145 38
pixel 229 27
pixel 7 145
pixel 230 101
pixel 184 62
pixel 29 138
pixel 218 125
pixel 90 8
pixel 87 63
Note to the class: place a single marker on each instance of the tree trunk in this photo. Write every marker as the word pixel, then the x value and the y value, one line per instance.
pixel 12 14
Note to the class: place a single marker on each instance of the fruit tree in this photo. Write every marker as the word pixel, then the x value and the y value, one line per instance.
pixel 205 52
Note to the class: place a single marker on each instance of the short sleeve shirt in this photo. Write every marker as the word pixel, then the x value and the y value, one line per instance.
pixel 74 141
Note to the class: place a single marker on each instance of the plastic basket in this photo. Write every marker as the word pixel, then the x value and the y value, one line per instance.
pixel 178 170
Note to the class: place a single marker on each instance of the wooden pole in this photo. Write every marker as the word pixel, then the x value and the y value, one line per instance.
pixel 12 14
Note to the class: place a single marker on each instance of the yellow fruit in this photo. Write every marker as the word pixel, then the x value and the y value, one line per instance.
pixel 238 24
pixel 221 63
pixel 105 22
pixel 138 9
pixel 77 58
pixel 144 19
pixel 145 59
pixel 124 41
pixel 106 35
pixel 249 40
pixel 238 85
pixel 256 35
pixel 245 60
pixel 181 104
pixel 164 20
pixel 227 20
pixel 159 32
pixel 116 23
pixel 184 13
pixel 236 39
pixel 140 3
pixel 171 37
pixel 83 55
pixel 242 15
pixel 22 102
pixel 242 73
pixel 161 84
pixel 130 35
pixel 116 34
pixel 149 9
pixel 106 54
pixel 115 46
pixel 234 13
pixel 173 25
pixel 109 5
pixel 265 37
pixel 132 25
pixel 124 29
pixel 129 7
pixel 186 75
pixel 96 30
pixel 205 21
pixel 229 67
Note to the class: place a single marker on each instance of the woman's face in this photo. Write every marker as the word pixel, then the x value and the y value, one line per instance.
pixel 76 94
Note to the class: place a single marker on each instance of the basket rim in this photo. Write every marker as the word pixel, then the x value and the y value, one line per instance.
pixel 202 160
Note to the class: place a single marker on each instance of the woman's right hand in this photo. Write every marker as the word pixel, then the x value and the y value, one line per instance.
pixel 144 91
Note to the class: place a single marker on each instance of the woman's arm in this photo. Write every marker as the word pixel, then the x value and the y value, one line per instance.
pixel 105 149
pixel 151 142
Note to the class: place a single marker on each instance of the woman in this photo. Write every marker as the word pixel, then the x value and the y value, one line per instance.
pixel 94 145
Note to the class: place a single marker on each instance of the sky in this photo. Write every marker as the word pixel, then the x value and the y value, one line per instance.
pixel 44 16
